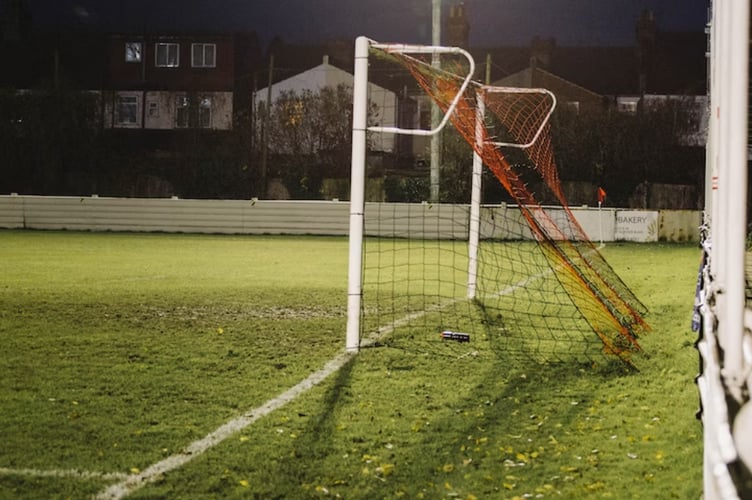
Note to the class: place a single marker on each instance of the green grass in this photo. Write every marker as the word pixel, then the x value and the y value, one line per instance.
pixel 120 349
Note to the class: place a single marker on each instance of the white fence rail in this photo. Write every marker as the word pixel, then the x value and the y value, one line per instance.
pixel 310 217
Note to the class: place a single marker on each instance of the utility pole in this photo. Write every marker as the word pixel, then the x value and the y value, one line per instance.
pixel 265 130
pixel 435 112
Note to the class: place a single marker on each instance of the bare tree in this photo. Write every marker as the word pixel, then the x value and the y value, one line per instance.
pixel 310 137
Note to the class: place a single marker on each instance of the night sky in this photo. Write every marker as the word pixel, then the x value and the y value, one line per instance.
pixel 492 22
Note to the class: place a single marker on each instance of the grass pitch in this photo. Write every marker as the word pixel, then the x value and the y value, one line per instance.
pixel 121 349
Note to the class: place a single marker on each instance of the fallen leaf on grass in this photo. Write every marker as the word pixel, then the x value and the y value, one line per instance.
pixel 598 485
pixel 385 469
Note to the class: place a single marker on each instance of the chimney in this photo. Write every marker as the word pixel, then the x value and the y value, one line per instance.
pixel 326 59
pixel 541 50
pixel 457 26
pixel 646 35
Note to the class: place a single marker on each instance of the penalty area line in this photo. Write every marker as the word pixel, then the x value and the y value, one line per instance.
pixel 133 482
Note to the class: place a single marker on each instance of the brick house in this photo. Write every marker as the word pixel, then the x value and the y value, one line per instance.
pixel 169 82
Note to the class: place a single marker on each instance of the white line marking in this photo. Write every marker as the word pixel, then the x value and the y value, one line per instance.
pixel 128 483
pixel 74 473
pixel 133 482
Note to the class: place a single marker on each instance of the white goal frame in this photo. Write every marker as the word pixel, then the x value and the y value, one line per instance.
pixel 357 182
pixel 358 166
pixel 724 346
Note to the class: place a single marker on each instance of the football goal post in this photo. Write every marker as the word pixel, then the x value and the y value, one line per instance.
pixel 723 317
pixel 521 274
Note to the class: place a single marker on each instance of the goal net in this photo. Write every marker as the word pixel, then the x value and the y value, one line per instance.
pixel 524 276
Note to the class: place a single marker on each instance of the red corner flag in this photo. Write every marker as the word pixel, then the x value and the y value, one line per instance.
pixel 601 195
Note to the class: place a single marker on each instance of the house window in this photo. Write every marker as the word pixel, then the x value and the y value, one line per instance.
pixel 127 110
pixel 192 112
pixel 152 109
pixel 167 55
pixel 204 113
pixel 627 105
pixel 573 106
pixel 424 115
pixel 203 55
pixel 133 52
pixel 293 112
pixel 181 112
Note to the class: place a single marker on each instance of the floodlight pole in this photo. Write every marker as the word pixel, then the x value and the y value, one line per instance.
pixel 733 186
pixel 435 111
pixel 729 228
pixel 357 193
pixel 709 416
pixel 721 346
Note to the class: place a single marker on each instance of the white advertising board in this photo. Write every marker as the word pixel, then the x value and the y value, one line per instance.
pixel 636 225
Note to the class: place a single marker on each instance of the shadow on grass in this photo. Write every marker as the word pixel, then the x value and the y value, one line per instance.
pixel 305 462
pixel 501 431
pixel 507 408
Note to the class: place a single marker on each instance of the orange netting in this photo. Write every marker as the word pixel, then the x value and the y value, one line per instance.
pixel 514 142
